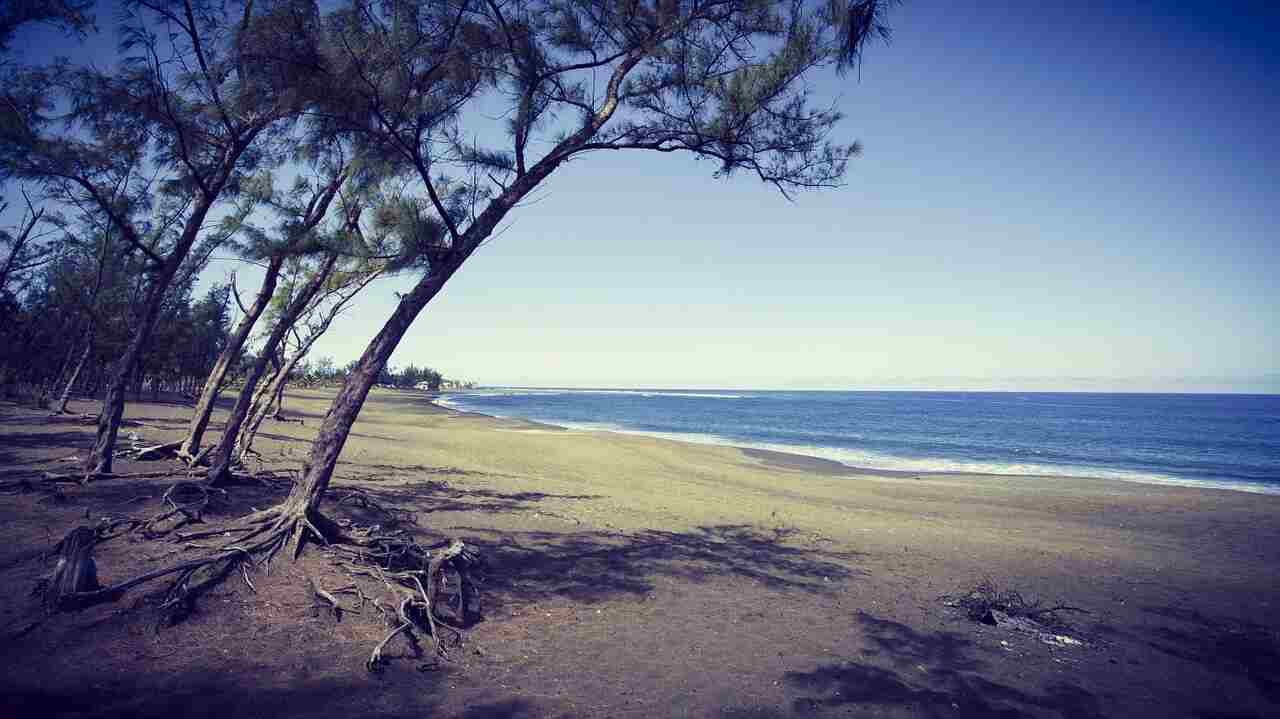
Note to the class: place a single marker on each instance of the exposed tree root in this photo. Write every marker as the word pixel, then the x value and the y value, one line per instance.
pixel 199 458
pixel 185 499
pixel 421 579
pixel 48 481
pixel 82 478
pixel 80 418
pixel 77 416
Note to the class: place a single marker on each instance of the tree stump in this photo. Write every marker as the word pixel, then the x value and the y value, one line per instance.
pixel 75 571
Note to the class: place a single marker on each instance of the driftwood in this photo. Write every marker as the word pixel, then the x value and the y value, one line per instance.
pixel 159 451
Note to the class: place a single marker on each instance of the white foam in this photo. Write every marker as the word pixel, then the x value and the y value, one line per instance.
pixel 524 392
pixel 655 393
pixel 863 459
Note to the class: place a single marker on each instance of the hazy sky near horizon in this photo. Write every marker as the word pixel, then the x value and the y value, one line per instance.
pixel 1053 195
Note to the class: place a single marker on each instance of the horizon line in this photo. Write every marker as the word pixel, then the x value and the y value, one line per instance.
pixel 885 388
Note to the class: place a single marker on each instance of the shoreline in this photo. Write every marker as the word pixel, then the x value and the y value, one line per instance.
pixel 630 575
pixel 795 460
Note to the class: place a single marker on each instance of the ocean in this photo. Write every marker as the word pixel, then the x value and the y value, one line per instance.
pixel 1214 440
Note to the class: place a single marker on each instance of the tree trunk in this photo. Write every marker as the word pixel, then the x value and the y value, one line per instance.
pixel 213 384
pixel 309 490
pixel 257 413
pixel 262 405
pixel 99 460
pixel 317 471
pixel 278 395
pixel 75 373
pixel 220 462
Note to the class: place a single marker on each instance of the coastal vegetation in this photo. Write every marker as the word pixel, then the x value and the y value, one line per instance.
pixel 333 146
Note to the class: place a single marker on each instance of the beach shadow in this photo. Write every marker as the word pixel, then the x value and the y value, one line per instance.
pixel 164 422
pixel 398 506
pixel 435 496
pixel 935 674
pixel 1224 646
pixel 384 472
pixel 282 438
pixel 19 451
pixel 232 691
pixel 527 567
pixel 20 441
pixel 509 709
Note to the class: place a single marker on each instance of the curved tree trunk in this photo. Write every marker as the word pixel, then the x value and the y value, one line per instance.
pixel 99 460
pixel 277 396
pixel 307 493
pixel 190 446
pixel 220 463
pixel 305 497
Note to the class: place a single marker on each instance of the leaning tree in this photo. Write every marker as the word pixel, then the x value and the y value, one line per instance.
pixel 340 289
pixel 717 79
pixel 297 213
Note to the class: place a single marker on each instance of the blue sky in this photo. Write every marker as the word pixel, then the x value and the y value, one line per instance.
pixel 1053 196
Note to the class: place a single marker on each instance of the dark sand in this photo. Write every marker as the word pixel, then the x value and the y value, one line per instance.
pixel 639 577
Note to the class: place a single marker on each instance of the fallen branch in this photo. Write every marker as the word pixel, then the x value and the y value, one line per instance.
pixel 82 478
pixel 159 451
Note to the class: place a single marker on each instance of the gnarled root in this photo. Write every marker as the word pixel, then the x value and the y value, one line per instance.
pixel 423 579
pixel 418 608
pixel 187 499
pixel 199 458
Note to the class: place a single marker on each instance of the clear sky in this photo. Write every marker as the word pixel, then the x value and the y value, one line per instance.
pixel 1074 195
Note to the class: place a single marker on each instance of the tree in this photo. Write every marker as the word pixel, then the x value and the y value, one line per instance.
pixel 341 289
pixel 718 79
pixel 298 211
pixel 25 246
pixel 172 132
pixel 223 455
pixel 92 314
pixel 71 15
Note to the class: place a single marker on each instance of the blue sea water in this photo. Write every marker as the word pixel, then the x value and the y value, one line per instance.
pixel 1226 441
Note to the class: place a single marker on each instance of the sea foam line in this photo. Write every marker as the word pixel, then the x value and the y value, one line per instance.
pixel 534 391
pixel 863 459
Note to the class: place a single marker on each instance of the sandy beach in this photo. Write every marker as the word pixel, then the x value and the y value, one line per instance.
pixel 638 577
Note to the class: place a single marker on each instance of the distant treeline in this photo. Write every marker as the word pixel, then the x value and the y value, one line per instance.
pixel 323 372
pixel 75 312
pixel 66 317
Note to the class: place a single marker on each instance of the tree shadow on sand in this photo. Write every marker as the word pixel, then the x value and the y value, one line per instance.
pixel 1225 646
pixel 19 451
pixel 592 566
pixel 234 691
pixel 436 496
pixel 931 674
